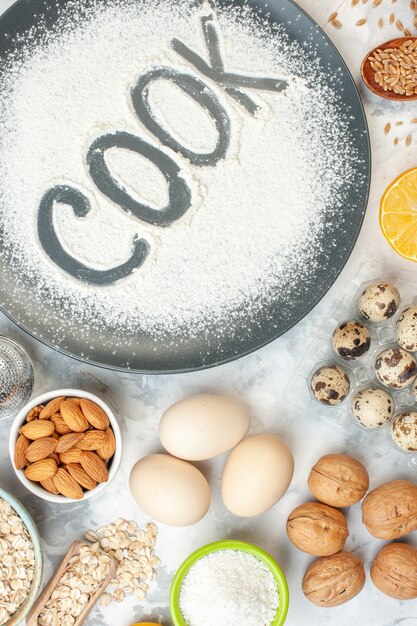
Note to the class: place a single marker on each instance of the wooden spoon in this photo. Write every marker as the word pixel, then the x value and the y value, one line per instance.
pixel 74 549
pixel 368 74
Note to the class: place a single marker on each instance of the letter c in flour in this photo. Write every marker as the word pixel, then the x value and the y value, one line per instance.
pixel 81 206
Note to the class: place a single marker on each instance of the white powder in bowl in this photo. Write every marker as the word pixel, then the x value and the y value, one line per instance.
pixel 254 228
pixel 229 588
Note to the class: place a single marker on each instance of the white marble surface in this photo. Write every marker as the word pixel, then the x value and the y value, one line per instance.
pixel 260 379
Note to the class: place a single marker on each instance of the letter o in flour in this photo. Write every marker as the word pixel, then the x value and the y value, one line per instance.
pixel 202 94
pixel 178 190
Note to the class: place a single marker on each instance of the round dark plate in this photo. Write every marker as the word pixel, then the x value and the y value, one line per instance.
pixel 141 352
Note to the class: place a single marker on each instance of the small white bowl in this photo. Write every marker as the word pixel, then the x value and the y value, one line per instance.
pixel 19 420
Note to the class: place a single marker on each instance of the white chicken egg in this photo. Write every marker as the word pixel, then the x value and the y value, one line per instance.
pixel 201 427
pixel 169 490
pixel 257 474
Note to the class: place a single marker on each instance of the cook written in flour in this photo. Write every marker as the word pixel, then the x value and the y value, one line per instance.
pixel 283 165
pixel 179 192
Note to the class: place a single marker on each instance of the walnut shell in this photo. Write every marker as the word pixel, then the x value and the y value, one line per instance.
pixel 334 580
pixel 338 480
pixel 317 529
pixel 390 510
pixel 394 571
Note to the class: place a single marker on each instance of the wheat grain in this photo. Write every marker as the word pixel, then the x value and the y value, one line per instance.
pixel 395 69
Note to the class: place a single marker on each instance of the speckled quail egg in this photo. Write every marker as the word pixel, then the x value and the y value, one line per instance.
pixel 351 340
pixel 372 407
pixel 395 368
pixel 407 329
pixel 330 384
pixel 404 431
pixel 379 302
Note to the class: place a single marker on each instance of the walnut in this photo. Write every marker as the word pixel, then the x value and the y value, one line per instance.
pixel 394 571
pixel 390 510
pixel 338 480
pixel 334 580
pixel 317 529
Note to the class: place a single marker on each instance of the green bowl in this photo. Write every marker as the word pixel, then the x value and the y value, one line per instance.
pixel 229 545
pixel 29 601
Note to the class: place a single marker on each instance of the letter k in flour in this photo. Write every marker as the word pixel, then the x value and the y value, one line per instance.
pixel 232 83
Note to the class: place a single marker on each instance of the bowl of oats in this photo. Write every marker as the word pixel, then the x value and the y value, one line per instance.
pixel 21 560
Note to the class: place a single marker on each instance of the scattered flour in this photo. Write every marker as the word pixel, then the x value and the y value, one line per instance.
pixel 229 587
pixel 257 218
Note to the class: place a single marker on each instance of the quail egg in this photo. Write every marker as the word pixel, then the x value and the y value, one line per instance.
pixel 372 407
pixel 351 340
pixel 404 431
pixel 330 384
pixel 379 302
pixel 395 368
pixel 407 329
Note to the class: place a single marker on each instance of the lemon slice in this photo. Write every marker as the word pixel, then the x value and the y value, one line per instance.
pixel 398 214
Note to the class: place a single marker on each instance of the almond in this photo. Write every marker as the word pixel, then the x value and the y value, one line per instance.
pixel 66 485
pixel 60 426
pixel 109 447
pixel 81 476
pixel 66 442
pixel 34 413
pixel 40 449
pixel 95 414
pixel 36 429
pixel 21 446
pixel 55 457
pixel 48 485
pixel 91 440
pixel 70 456
pixel 94 466
pixel 51 408
pixel 73 416
pixel 41 470
pixel 75 400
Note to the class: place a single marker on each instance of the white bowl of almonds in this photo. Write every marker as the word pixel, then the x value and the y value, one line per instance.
pixel 65 445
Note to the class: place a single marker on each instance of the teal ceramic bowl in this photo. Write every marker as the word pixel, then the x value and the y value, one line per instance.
pixel 27 604
pixel 229 545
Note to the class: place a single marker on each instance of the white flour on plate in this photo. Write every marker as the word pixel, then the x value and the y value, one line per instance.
pixel 256 218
